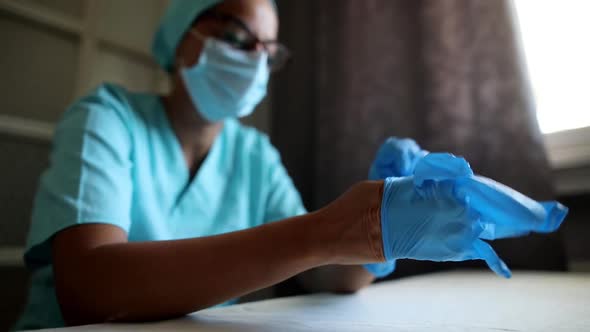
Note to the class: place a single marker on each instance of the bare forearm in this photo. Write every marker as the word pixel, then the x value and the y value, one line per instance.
pixel 153 280
pixel 335 278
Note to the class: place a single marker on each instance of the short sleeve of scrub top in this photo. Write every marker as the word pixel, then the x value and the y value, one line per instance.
pixel 115 159
pixel 89 179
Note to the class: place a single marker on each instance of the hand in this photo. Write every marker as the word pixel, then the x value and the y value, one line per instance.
pixel 396 157
pixel 350 226
pixel 443 212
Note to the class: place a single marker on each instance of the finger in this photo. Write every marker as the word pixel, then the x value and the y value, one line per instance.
pixel 400 144
pixel 556 213
pixel 504 211
pixel 485 252
pixel 492 231
pixel 396 157
pixel 385 161
pixel 439 167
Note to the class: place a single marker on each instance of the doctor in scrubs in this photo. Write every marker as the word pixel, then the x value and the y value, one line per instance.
pixel 157 206
pixel 154 206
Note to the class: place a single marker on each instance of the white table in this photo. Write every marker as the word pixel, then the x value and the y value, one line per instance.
pixel 455 301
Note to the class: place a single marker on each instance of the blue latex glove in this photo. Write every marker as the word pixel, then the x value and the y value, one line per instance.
pixel 396 157
pixel 443 212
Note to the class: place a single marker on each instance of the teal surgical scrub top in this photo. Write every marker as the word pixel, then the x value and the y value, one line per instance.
pixel 116 160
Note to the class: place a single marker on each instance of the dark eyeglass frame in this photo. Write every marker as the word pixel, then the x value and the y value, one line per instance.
pixel 277 58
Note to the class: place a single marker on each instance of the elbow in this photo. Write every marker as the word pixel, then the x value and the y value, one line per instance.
pixel 74 313
pixel 84 303
pixel 77 308
pixel 81 310
pixel 86 299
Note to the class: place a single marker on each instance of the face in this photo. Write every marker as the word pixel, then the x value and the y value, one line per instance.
pixel 259 16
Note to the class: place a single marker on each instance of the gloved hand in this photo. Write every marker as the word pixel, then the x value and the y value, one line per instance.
pixel 443 212
pixel 396 157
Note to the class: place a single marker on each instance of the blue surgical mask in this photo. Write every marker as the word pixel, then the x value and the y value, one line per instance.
pixel 226 82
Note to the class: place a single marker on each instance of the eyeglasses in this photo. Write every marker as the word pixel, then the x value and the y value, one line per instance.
pixel 237 34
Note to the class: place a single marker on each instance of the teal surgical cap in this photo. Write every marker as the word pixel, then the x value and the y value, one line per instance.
pixel 177 20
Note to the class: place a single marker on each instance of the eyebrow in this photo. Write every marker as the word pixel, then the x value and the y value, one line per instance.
pixel 229 17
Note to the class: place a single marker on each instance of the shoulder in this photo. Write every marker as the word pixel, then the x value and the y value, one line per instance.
pixel 110 98
pixel 107 109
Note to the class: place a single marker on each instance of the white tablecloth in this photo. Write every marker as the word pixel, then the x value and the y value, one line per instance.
pixel 455 301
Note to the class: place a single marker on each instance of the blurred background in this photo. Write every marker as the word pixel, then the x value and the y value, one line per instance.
pixel 503 83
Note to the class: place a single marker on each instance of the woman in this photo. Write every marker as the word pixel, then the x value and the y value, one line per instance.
pixel 155 207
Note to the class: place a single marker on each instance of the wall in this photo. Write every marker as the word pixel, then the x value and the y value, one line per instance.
pixel 569 154
pixel 53 52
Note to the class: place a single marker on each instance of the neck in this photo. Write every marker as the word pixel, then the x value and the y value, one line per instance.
pixel 195 134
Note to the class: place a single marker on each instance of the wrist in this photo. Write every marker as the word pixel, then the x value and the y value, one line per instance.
pixel 348 231
pixel 319 247
pixel 372 222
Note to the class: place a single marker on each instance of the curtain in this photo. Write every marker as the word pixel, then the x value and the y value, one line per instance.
pixel 447 73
